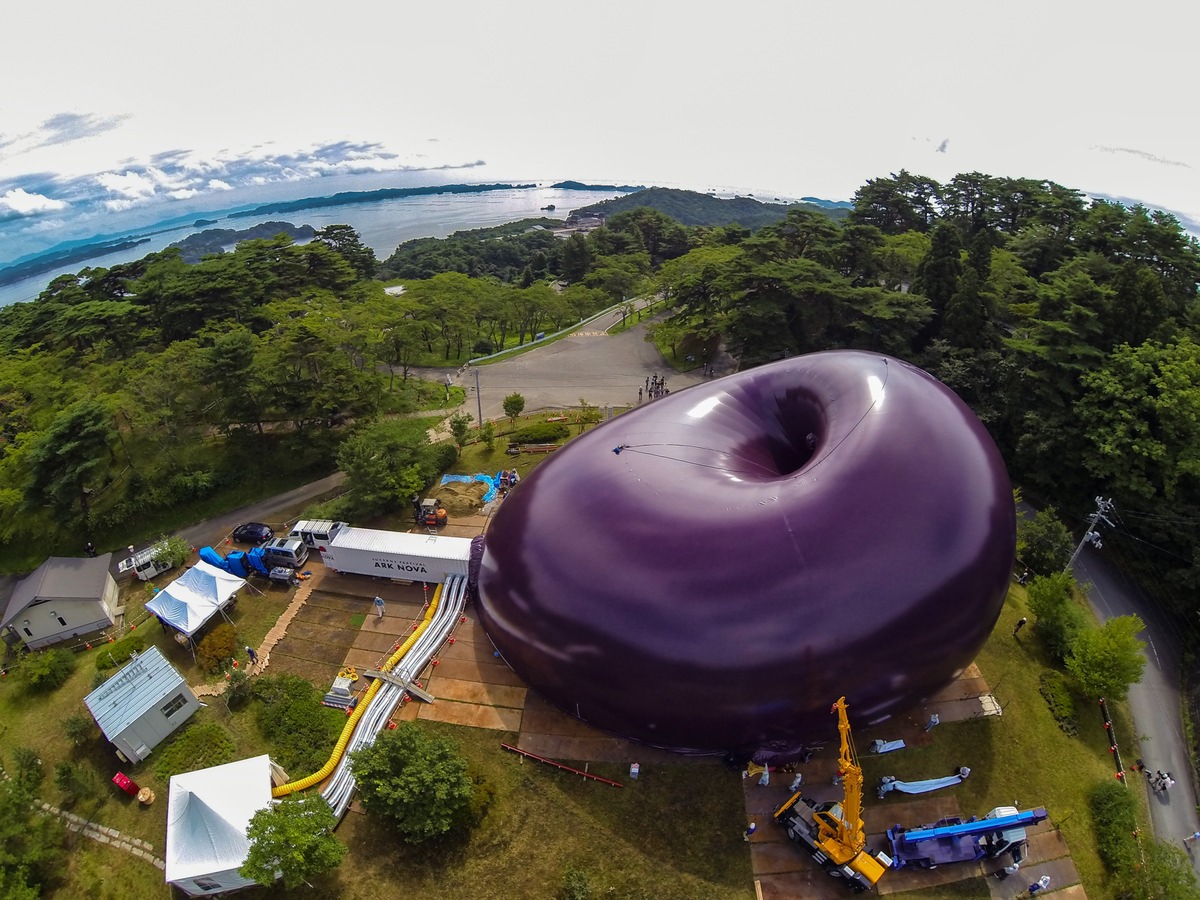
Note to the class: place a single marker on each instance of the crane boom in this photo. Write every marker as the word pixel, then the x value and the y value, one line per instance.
pixel 833 831
pixel 850 830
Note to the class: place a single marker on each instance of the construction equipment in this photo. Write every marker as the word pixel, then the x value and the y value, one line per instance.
pixel 433 514
pixel 832 832
pixel 954 839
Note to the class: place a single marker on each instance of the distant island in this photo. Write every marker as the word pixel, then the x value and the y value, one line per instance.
pixel 203 223
pixel 347 197
pixel 580 186
pixel 206 243
pixel 693 208
pixel 48 262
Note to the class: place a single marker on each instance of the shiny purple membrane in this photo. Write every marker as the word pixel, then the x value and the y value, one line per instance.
pixel 710 571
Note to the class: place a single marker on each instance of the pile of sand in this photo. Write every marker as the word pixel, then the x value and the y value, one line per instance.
pixel 462 498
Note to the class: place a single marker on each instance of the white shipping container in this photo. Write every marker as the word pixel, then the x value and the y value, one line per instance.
pixel 397 554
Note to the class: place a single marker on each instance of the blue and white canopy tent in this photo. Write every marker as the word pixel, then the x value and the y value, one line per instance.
pixel 193 598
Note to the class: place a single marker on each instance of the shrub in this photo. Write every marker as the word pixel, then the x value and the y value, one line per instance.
pixel 119 651
pixel 216 648
pixel 47 670
pixel 540 433
pixel 290 716
pixel 199 746
pixel 239 690
pixel 29 773
pixel 1057 693
pixel 575 885
pixel 1114 819
pixel 76 781
pixel 1059 618
pixel 438 458
pixel 79 728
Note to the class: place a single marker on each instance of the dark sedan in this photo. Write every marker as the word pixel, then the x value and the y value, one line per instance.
pixel 253 533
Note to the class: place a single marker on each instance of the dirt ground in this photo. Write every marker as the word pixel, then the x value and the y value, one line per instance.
pixel 317 639
pixel 461 498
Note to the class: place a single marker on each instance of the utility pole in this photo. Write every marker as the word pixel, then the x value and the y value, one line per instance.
pixel 478 399
pixel 1091 535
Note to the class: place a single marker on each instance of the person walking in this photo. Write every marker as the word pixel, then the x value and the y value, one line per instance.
pixel 796 782
pixel 1191 839
pixel 1020 624
pixel 1040 885
pixel 90 549
pixel 1011 869
pixel 252 655
pixel 750 829
pixel 379 607
pixel 933 722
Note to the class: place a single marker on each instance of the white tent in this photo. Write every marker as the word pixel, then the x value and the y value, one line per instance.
pixel 195 597
pixel 208 812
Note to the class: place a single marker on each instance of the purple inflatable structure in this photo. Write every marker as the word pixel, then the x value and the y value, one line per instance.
pixel 710 571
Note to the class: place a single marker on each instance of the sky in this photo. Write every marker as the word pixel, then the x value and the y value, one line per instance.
pixel 119 114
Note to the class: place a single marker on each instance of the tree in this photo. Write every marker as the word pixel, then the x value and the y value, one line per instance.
pixel 385 464
pixel 514 405
pixel 487 434
pixel 1107 660
pixel 1043 541
pixel 294 841
pixel 1059 618
pixel 67 461
pixel 345 241
pixel 460 427
pixel 415 779
pixel 173 550
pixel 31 845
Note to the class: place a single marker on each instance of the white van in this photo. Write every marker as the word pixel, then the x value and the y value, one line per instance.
pixel 285 551
pixel 143 564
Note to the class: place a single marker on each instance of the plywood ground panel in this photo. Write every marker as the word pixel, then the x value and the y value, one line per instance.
pixel 472 714
pixel 476 692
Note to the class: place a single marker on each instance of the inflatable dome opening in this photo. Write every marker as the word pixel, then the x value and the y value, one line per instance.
pixel 784 430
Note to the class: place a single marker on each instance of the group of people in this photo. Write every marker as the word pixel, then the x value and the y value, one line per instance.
pixel 508 480
pixel 1161 781
pixel 655 387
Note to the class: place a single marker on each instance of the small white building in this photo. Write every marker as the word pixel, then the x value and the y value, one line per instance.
pixel 208 812
pixel 64 597
pixel 142 704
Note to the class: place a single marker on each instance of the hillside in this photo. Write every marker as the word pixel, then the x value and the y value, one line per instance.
pixel 694 208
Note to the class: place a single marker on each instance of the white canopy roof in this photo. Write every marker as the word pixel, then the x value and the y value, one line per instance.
pixel 195 597
pixel 208 812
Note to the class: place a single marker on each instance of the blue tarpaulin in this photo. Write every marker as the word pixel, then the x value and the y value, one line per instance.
pixel 492 481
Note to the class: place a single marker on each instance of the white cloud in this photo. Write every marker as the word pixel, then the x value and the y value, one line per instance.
pixel 182 193
pixel 127 184
pixel 24 203
pixel 216 184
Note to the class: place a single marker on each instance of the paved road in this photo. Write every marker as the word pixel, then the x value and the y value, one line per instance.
pixel 1155 702
pixel 604 370
pixel 215 530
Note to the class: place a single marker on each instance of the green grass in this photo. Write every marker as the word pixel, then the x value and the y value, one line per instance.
pixel 675 834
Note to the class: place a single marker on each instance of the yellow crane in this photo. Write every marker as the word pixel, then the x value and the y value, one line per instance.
pixel 833 831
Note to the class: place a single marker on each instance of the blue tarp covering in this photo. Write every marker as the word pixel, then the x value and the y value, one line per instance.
pixel 255 559
pixel 212 557
pixel 881 746
pixel 492 481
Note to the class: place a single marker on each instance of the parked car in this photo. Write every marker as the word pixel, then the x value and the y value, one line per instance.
pixel 253 533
